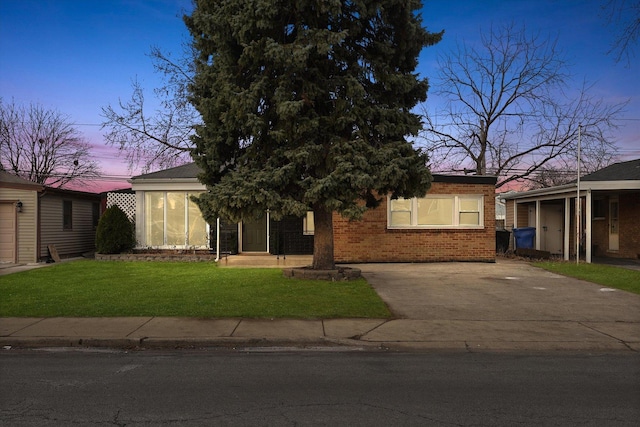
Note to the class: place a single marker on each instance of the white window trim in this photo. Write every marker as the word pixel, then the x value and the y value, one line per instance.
pixel 144 226
pixel 308 218
pixel 456 213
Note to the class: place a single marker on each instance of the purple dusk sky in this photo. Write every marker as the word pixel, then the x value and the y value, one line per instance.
pixel 79 55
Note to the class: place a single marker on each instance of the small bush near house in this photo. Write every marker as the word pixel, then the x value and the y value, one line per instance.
pixel 115 233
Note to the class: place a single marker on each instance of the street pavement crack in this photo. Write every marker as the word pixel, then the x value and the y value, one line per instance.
pixel 139 327
pixel 609 335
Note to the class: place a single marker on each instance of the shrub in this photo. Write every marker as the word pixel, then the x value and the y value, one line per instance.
pixel 115 233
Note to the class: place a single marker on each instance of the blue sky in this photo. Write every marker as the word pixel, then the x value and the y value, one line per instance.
pixel 79 55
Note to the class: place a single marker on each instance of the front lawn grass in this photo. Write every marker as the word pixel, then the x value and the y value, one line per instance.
pixel 110 288
pixel 606 275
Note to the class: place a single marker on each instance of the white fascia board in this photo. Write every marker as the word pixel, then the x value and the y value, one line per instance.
pixel 610 185
pixel 168 185
pixel 560 191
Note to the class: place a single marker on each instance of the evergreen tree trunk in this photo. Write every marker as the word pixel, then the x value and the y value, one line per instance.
pixel 323 239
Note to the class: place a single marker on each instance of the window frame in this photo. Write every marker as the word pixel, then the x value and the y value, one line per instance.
pixel 456 213
pixel 599 207
pixel 306 220
pixel 171 231
pixel 67 215
pixel 95 214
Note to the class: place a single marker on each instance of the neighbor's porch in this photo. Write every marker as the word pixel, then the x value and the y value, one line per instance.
pixel 559 231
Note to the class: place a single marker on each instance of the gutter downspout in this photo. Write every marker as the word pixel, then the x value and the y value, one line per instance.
pixel 268 230
pixel 217 239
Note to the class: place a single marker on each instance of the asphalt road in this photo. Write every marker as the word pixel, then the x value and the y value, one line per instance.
pixel 213 387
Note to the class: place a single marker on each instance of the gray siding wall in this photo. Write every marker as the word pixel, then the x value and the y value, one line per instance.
pixel 75 241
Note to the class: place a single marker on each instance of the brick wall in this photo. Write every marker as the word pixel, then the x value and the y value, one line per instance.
pixel 369 240
pixel 599 235
pixel 629 225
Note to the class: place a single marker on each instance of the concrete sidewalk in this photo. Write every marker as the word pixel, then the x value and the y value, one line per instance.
pixel 17 268
pixel 508 305
pixel 405 334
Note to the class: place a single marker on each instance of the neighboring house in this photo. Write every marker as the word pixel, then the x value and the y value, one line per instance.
pixel 33 216
pixel 455 221
pixel 609 207
pixel 18 219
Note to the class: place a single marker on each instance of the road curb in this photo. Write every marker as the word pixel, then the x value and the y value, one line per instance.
pixel 160 343
pixel 311 343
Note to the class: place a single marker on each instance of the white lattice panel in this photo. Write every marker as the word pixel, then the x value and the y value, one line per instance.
pixel 126 202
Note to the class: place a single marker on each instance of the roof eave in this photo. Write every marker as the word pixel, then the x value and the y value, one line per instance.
pixel 539 192
pixel 584 185
pixel 135 180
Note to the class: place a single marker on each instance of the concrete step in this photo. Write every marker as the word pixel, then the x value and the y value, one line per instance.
pixel 265 261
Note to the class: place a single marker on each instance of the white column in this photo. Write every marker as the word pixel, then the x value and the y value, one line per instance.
pixel 538 231
pixel 268 230
pixel 187 243
pixel 588 227
pixel 515 222
pixel 567 227
pixel 140 219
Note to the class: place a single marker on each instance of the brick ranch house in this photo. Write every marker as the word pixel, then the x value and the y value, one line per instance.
pixel 609 207
pixel 454 222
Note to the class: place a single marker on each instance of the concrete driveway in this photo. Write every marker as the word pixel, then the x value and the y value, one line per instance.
pixel 509 301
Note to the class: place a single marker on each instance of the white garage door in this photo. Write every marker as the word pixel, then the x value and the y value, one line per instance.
pixel 7 232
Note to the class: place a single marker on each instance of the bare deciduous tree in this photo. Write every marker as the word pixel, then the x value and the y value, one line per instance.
pixel 43 146
pixel 624 17
pixel 161 138
pixel 563 173
pixel 509 112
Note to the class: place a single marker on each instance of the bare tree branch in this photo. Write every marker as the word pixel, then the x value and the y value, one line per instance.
pixel 624 17
pixel 508 112
pixel 43 146
pixel 161 138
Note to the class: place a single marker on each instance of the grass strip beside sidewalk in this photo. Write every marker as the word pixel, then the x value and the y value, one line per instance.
pixel 606 275
pixel 108 289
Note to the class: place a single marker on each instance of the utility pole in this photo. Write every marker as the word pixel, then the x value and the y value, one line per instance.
pixel 578 204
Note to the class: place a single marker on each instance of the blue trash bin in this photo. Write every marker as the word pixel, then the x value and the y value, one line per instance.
pixel 525 237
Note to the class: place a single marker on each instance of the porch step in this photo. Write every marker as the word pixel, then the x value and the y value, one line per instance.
pixel 265 261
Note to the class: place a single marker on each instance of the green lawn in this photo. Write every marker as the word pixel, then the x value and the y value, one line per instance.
pixel 606 275
pixel 104 289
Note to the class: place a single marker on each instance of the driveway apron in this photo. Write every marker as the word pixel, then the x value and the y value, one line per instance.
pixel 509 305
pixel 505 290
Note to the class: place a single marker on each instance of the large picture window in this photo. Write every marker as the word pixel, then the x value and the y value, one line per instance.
pixel 173 220
pixel 437 211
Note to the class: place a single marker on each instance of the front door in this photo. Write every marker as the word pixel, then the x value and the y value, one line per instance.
pixel 7 232
pixel 614 241
pixel 254 235
pixel 551 218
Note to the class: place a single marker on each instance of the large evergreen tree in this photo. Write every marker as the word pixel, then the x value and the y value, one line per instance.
pixel 306 105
